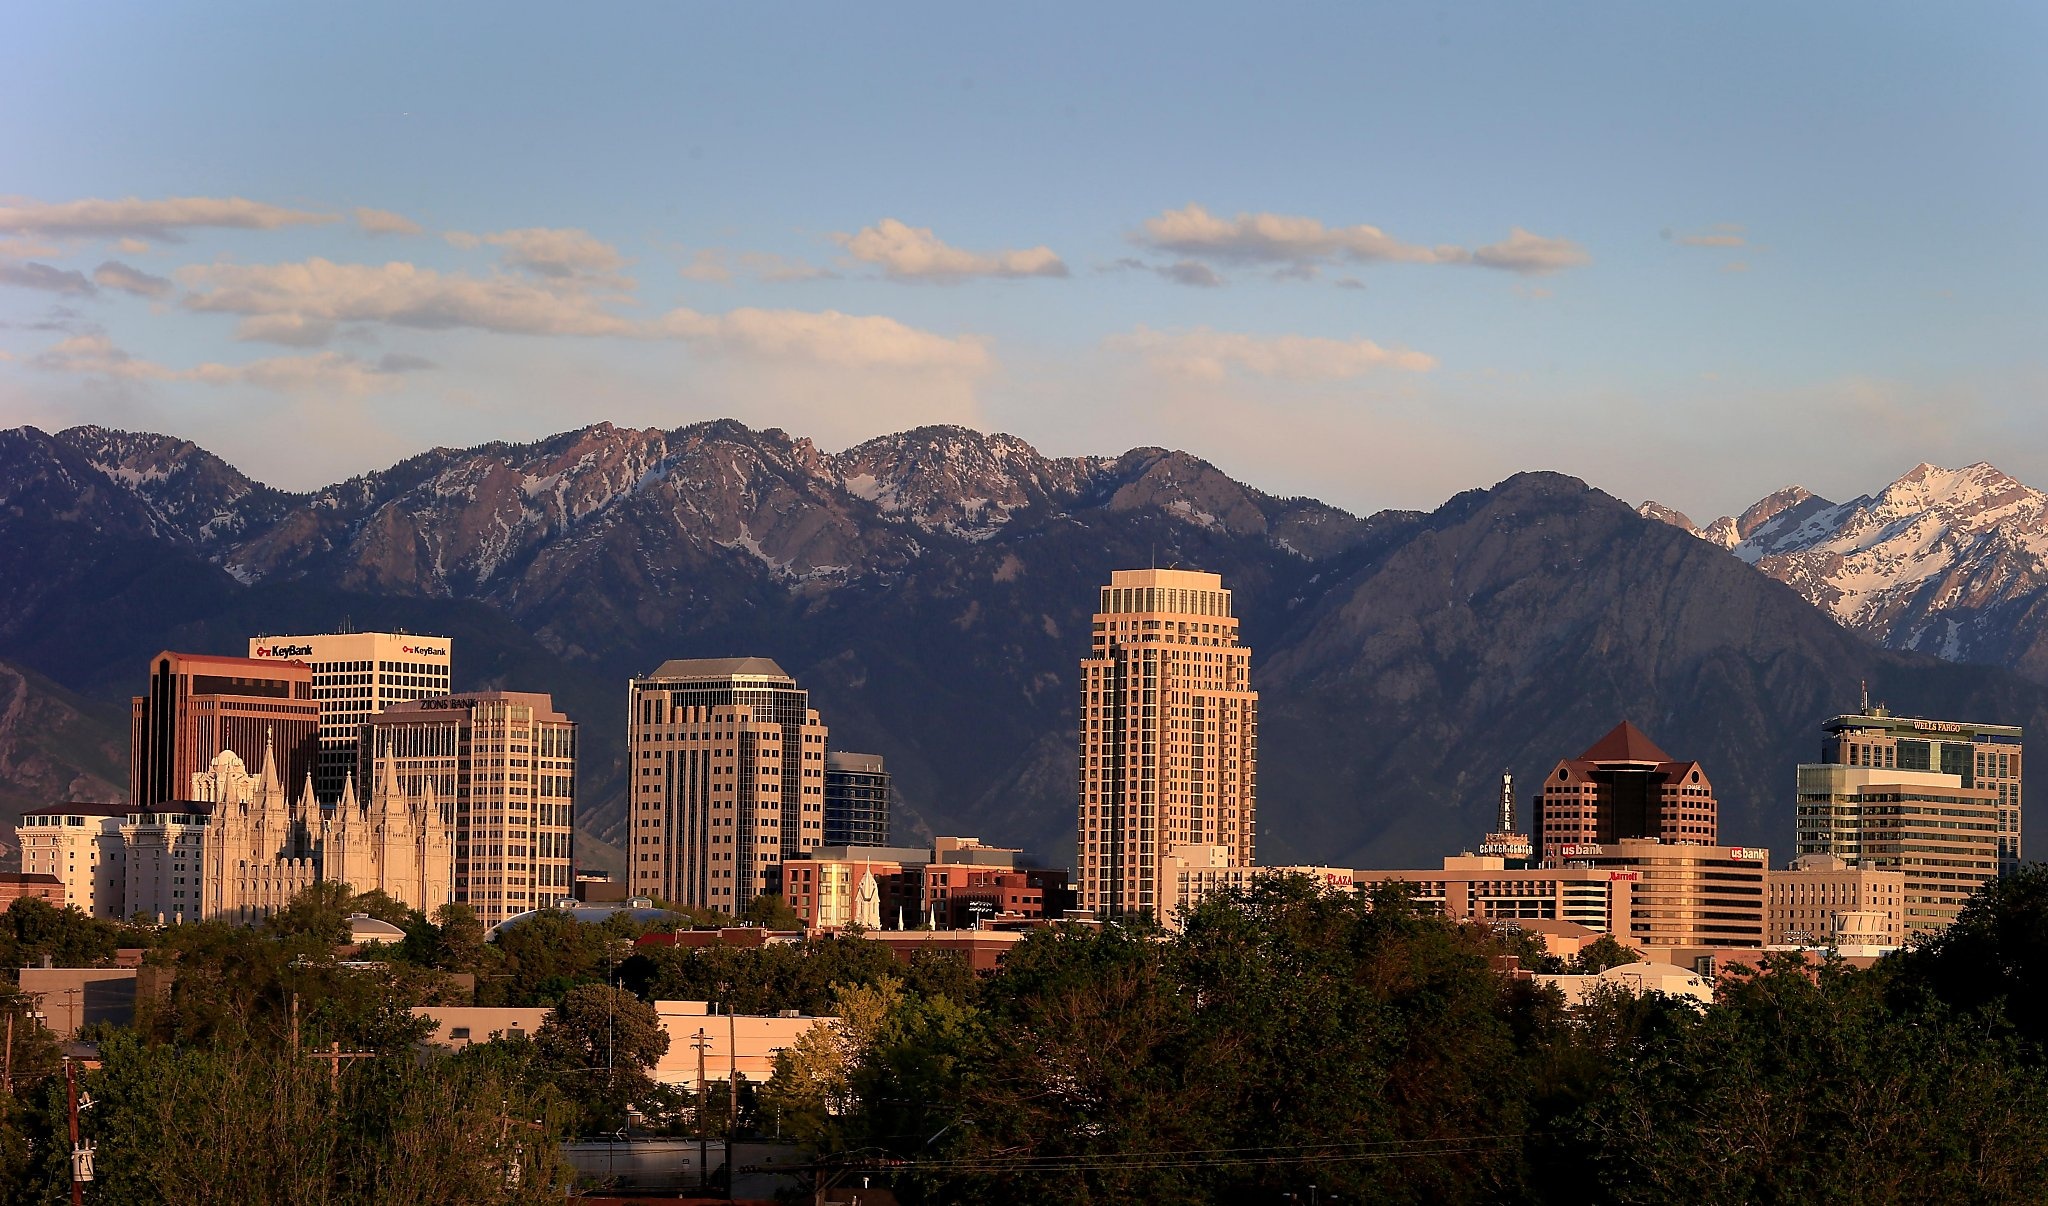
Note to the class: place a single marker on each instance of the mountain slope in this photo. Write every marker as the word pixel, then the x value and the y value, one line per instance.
pixel 1517 626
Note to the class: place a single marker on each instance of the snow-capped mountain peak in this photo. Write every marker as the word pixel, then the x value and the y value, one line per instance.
pixel 1933 561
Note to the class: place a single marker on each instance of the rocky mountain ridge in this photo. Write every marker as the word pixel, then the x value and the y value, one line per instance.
pixel 1950 562
pixel 933 590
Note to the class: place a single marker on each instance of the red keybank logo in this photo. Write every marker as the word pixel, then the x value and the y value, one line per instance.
pixel 284 651
pixel 423 650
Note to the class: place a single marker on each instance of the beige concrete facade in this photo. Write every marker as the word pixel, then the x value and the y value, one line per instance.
pixel 1941 835
pixel 1190 874
pixel 1677 894
pixel 1169 737
pixel 1484 888
pixel 355 676
pixel 457 1026
pixel 746 1043
pixel 80 844
pixel 1984 756
pixel 1822 901
pixel 726 762
pixel 505 761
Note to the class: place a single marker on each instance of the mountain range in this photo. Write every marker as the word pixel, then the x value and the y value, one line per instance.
pixel 933 590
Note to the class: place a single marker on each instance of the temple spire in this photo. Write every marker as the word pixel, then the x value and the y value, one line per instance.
pixel 268 780
pixel 348 798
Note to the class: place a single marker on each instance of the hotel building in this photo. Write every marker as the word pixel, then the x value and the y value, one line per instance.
pixel 1169 737
pixel 80 844
pixel 1485 888
pixel 199 705
pixel 1941 835
pixel 507 762
pixel 857 791
pixel 355 676
pixel 1625 787
pixel 1980 756
pixel 1648 894
pixel 726 774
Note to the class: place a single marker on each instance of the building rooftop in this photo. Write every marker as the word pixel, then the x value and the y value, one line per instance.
pixel 845 760
pixel 1878 718
pixel 79 808
pixel 1625 743
pixel 720 667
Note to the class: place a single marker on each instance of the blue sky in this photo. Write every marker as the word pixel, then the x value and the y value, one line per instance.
pixel 1377 254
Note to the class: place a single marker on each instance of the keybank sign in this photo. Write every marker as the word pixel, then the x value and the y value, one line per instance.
pixel 423 650
pixel 284 651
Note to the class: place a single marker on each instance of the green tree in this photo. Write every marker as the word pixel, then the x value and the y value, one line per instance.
pixel 602 1043
pixel 1599 955
pixel 770 911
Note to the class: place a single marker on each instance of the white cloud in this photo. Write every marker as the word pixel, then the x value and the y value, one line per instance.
pixel 398 293
pixel 116 275
pixel 1266 238
pixel 825 337
pixel 292 330
pixel 131 246
pixel 1530 254
pixel 1298 246
pixel 384 222
pixel 1211 355
pixel 709 265
pixel 50 280
pixel 914 253
pixel 559 254
pixel 161 220
pixel 97 356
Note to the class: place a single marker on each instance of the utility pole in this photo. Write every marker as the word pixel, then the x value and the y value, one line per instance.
pixel 732 1121
pixel 9 1073
pixel 702 1042
pixel 334 1055
pixel 81 1157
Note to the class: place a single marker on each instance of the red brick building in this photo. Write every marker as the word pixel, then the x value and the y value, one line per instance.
pixel 1625 787
pixel 199 705
pixel 15 885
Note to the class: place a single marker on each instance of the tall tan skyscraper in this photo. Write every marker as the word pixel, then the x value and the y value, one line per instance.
pixel 1169 736
pixel 727 765
pixel 506 761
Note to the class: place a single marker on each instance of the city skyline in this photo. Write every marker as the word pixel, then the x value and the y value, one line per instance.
pixel 1375 257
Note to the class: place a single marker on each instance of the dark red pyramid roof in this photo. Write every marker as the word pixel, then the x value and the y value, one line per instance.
pixel 1626 743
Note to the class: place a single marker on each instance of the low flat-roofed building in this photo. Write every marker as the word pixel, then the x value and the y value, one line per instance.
pixel 984 950
pixel 1820 900
pixel 14 885
pixel 72 998
pixel 457 1026
pixel 1473 887
pixel 1189 874
pixel 747 1043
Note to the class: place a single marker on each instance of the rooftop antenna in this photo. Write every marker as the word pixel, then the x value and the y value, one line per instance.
pixel 1864 683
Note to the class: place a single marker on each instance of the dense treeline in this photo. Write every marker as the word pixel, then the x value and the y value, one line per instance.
pixel 1286 1038
pixel 1290 1038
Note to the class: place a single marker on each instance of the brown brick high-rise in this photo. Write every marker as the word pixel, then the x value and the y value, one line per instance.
pixel 1169 736
pixel 1625 787
pixel 199 705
